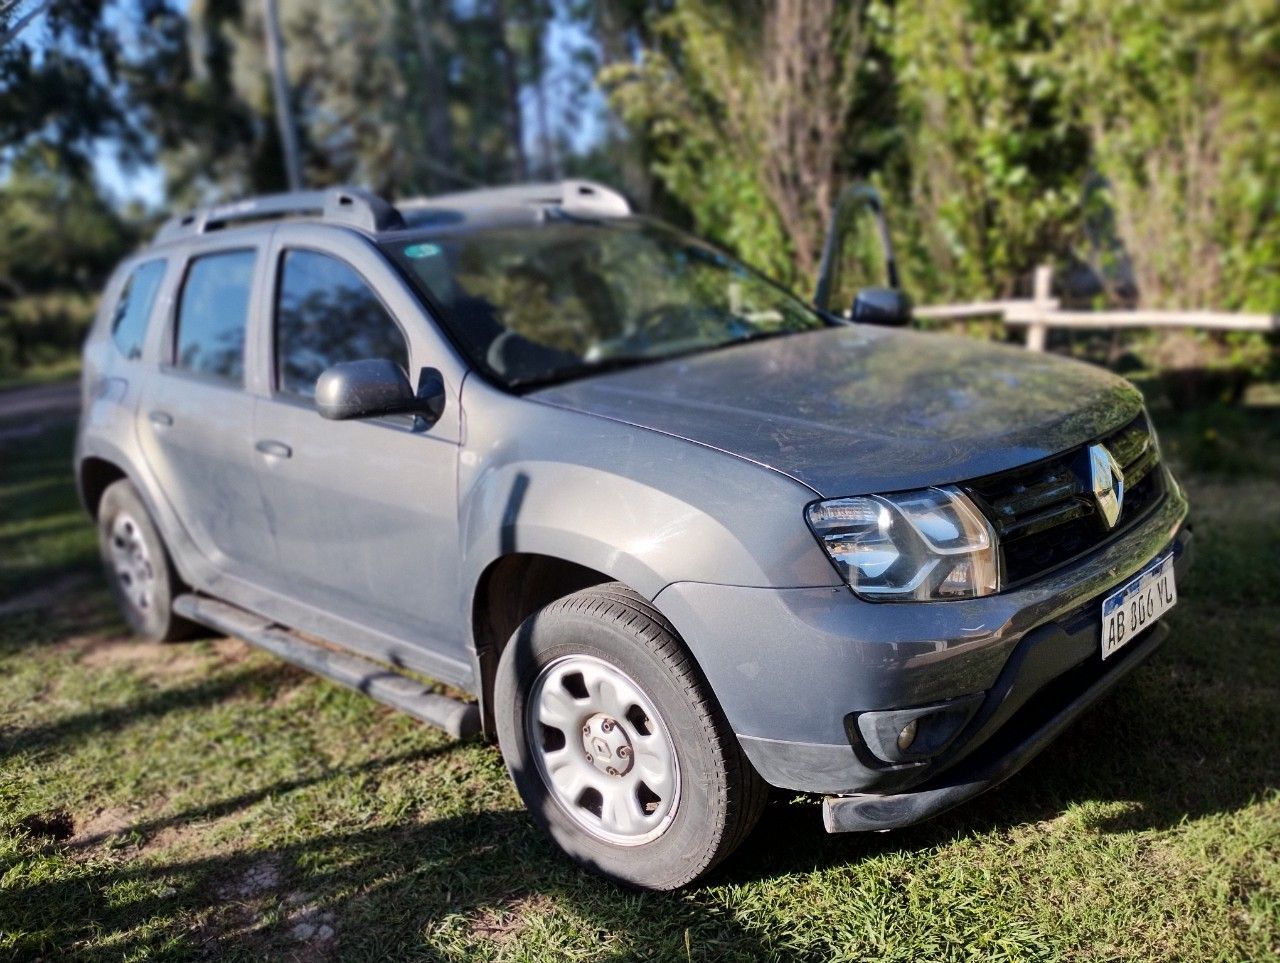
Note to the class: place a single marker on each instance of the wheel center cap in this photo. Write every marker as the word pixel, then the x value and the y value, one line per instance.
pixel 606 745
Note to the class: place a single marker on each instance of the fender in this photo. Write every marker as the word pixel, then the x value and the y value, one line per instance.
pixel 645 508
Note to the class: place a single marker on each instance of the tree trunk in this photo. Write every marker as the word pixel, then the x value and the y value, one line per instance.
pixel 436 93
pixel 511 81
pixel 610 28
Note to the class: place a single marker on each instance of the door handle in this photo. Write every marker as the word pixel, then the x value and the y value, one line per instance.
pixel 161 418
pixel 277 449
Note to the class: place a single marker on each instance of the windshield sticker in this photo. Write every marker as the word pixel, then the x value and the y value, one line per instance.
pixel 418 251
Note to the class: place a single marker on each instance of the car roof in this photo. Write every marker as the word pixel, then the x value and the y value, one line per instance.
pixel 364 211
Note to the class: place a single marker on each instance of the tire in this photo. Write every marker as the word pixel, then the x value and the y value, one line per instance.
pixel 705 796
pixel 139 569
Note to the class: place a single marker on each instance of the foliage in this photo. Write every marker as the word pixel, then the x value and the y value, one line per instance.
pixel 398 96
pixel 62 94
pixel 747 108
pixel 58 239
pixel 987 183
pixel 58 235
pixel 1134 143
pixel 1181 103
pixel 1140 140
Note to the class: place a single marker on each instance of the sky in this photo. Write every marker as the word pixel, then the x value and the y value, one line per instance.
pixel 566 36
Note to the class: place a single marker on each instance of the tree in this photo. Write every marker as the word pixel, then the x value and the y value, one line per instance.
pixel 989 177
pixel 747 108
pixel 1182 108
pixel 62 94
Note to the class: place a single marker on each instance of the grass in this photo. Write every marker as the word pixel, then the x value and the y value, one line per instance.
pixel 204 800
pixel 60 369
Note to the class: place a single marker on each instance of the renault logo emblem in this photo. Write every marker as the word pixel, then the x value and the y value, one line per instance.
pixel 1106 481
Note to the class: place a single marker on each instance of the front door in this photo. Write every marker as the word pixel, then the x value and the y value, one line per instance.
pixel 364 513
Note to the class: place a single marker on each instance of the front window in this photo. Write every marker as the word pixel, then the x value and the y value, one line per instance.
pixel 538 304
pixel 325 313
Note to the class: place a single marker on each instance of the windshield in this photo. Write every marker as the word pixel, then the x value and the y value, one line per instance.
pixel 536 305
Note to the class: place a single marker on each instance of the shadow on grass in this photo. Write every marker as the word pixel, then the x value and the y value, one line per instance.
pixel 1168 747
pixel 67 731
pixel 377 888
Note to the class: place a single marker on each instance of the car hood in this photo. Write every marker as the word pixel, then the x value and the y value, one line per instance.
pixel 857 409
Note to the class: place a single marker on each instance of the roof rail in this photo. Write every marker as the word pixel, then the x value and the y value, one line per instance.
pixel 585 198
pixel 338 205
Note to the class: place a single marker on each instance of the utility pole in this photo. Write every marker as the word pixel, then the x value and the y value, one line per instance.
pixel 280 83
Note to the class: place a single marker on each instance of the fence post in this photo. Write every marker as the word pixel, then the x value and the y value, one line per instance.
pixel 1042 300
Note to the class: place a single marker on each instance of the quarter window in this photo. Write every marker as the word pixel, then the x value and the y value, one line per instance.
pixel 325 314
pixel 129 323
pixel 212 313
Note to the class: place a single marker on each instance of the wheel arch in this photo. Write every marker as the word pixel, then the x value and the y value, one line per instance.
pixel 94 475
pixel 510 589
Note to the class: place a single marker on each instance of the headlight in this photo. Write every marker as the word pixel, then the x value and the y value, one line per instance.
pixel 921 545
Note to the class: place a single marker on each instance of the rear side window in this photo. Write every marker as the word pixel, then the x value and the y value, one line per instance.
pixel 325 313
pixel 129 323
pixel 212 313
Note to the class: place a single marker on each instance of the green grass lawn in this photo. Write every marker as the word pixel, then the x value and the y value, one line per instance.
pixel 204 800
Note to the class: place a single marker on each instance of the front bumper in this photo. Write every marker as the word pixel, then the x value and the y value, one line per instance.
pixel 793 668
pixel 1020 741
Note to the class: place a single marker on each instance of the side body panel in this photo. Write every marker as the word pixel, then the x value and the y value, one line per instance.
pixel 109 382
pixel 111 388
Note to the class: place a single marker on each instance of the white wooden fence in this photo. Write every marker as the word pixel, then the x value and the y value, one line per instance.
pixel 1041 312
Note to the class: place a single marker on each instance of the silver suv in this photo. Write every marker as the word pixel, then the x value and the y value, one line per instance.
pixel 669 534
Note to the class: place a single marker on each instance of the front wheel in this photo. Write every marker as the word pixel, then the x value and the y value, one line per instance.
pixel 616 745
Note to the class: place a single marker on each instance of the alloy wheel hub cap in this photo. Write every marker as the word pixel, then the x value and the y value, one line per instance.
pixel 602 750
pixel 607 746
pixel 132 562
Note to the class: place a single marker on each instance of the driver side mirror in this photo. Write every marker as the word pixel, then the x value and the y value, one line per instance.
pixel 377 387
pixel 887 306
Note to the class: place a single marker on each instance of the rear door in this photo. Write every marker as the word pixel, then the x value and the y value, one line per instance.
pixel 195 421
pixel 364 513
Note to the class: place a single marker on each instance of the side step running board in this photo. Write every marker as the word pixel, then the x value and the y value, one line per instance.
pixel 460 719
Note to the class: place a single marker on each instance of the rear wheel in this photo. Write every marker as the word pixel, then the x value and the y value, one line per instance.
pixel 616 744
pixel 138 567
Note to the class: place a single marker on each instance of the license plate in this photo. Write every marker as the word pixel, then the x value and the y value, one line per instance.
pixel 1129 610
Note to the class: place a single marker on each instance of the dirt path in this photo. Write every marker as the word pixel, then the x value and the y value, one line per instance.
pixel 25 412
pixel 58 397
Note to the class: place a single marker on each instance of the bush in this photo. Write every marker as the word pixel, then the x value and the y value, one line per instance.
pixel 42 330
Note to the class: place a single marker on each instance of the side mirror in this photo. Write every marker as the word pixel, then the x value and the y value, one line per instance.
pixel 858 250
pixel 377 387
pixel 887 306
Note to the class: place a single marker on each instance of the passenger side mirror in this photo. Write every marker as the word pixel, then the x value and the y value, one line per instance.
pixel 858 265
pixel 377 387
pixel 887 306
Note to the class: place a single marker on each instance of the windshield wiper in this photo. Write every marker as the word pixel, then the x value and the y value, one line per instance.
pixel 582 370
pixel 587 368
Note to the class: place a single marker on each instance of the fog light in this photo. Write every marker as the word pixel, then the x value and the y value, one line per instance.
pixel 907 736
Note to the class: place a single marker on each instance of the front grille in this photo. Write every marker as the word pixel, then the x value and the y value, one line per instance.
pixel 1045 514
